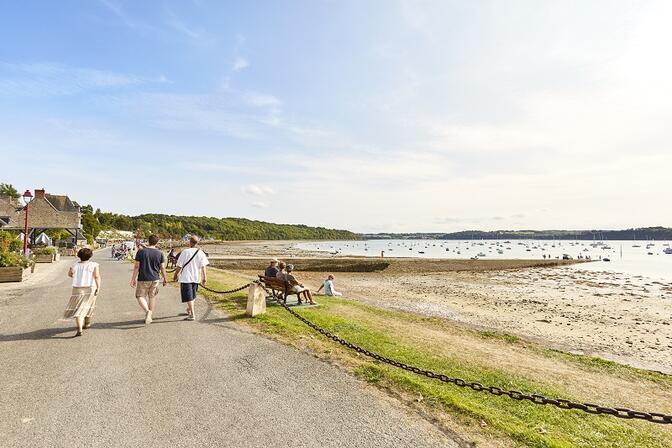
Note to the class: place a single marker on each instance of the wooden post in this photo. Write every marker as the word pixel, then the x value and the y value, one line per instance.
pixel 256 300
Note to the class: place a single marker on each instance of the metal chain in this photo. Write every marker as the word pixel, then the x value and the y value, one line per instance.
pixel 214 290
pixel 231 291
pixel 654 417
pixel 224 292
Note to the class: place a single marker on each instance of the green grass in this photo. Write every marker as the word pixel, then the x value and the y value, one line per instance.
pixel 611 367
pixel 519 423
pixel 488 334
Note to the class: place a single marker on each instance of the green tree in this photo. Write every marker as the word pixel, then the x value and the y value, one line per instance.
pixel 58 234
pixel 9 190
pixel 90 224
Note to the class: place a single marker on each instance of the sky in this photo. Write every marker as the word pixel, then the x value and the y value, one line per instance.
pixel 368 115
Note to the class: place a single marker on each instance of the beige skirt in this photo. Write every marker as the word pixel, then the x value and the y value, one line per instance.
pixel 82 303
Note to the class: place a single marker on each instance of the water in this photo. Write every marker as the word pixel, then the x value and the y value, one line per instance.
pixel 624 258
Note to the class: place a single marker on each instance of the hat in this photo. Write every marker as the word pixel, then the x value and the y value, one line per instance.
pixel 274 260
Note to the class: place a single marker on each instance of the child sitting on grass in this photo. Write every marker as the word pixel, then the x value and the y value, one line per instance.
pixel 328 286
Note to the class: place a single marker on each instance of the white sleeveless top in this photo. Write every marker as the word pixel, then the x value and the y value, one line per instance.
pixel 82 274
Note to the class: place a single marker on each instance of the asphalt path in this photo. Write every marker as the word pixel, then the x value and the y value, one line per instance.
pixel 206 383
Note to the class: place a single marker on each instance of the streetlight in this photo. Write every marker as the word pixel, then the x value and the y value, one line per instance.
pixel 27 196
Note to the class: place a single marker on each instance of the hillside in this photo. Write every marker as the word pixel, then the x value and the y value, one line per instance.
pixel 171 226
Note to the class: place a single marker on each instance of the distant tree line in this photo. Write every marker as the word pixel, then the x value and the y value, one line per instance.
pixel 175 227
pixel 171 226
pixel 643 233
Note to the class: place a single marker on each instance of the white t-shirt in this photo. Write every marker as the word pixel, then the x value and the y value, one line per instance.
pixel 82 274
pixel 191 273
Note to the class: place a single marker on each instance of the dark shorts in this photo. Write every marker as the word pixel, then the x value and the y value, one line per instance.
pixel 188 291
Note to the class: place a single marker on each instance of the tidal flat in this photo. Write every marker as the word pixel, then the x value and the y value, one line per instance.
pixel 619 317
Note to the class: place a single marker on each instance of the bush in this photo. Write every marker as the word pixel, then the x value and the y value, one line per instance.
pixel 50 250
pixel 12 259
pixel 9 242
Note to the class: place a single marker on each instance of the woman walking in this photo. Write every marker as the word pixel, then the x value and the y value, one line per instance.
pixel 85 288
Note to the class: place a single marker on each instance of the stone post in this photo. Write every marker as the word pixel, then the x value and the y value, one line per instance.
pixel 256 300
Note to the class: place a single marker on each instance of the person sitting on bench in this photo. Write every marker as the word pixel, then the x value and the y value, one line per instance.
pixel 272 269
pixel 281 274
pixel 298 287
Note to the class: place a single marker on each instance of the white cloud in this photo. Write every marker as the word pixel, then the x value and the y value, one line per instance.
pixel 259 205
pixel 258 190
pixel 217 113
pixel 178 25
pixel 240 64
pixel 203 167
pixel 49 79
pixel 262 100
pixel 125 18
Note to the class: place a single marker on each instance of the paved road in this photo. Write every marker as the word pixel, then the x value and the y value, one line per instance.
pixel 206 383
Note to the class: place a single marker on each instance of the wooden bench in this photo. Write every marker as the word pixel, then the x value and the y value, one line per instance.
pixel 279 288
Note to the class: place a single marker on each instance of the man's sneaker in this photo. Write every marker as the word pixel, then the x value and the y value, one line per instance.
pixel 148 318
pixel 189 317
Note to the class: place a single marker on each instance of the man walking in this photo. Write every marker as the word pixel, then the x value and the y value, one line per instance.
pixel 190 271
pixel 145 278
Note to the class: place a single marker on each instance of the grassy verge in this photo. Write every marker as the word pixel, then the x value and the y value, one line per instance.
pixel 487 419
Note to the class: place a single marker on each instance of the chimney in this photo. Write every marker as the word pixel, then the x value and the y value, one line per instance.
pixel 39 194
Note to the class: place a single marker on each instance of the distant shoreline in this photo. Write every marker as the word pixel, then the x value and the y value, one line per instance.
pixel 634 234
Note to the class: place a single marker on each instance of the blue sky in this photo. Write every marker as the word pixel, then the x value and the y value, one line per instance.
pixel 367 115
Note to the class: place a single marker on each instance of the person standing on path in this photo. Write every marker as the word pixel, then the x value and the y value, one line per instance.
pixel 148 270
pixel 190 271
pixel 85 274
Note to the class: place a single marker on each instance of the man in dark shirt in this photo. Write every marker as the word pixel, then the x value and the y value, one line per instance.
pixel 148 270
pixel 272 270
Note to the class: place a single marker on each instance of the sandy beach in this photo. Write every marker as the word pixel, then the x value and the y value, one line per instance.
pixel 613 316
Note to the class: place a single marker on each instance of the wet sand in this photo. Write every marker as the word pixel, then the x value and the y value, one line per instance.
pixel 623 318
pixel 593 313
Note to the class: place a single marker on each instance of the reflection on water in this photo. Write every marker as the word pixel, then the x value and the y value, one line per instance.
pixel 635 258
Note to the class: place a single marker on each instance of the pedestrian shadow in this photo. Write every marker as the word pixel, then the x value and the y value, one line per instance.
pixel 44 333
pixel 62 332
pixel 135 323
pixel 221 320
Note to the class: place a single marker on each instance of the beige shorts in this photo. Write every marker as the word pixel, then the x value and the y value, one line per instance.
pixel 147 289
